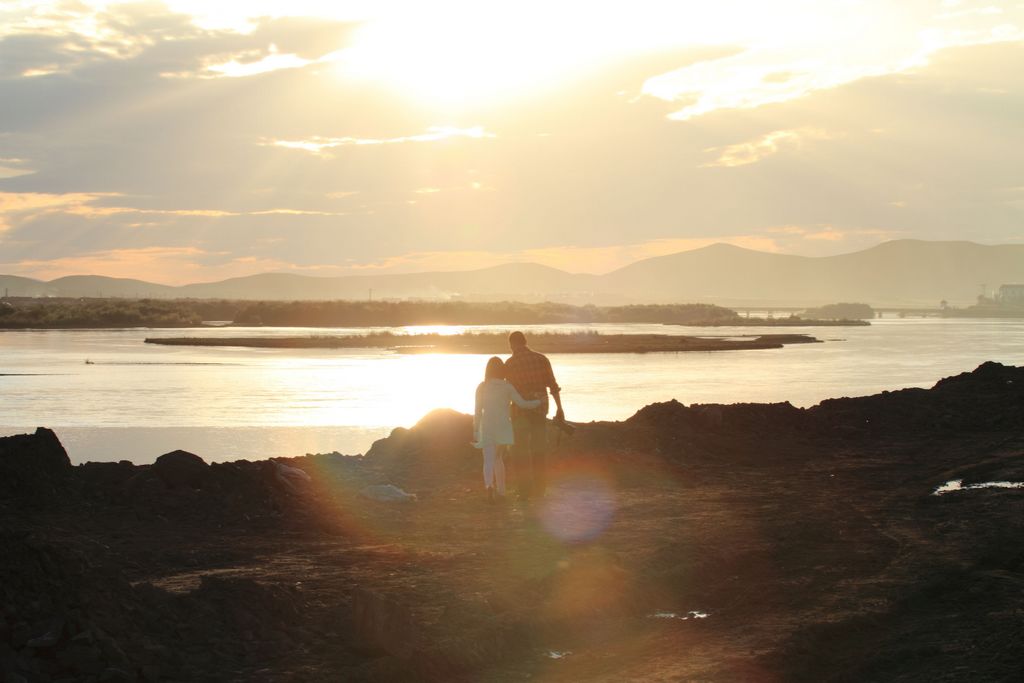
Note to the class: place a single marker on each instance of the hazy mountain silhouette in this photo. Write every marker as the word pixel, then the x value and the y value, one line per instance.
pixel 903 272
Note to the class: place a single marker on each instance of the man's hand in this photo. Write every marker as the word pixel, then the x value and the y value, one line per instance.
pixel 559 415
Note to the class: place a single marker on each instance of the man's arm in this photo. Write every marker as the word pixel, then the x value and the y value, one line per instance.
pixel 556 392
pixel 557 395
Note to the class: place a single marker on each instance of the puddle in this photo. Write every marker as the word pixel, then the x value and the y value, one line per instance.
pixel 694 614
pixel 958 485
pixel 556 654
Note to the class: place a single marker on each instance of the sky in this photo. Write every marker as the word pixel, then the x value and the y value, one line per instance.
pixel 189 141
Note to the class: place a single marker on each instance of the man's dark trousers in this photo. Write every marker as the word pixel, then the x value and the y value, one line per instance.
pixel 530 429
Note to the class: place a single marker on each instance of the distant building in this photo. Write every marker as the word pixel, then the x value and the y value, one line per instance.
pixel 1011 295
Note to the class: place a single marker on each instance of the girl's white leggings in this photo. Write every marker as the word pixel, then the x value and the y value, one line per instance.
pixel 494 469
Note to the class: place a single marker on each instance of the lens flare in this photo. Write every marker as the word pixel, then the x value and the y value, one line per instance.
pixel 578 508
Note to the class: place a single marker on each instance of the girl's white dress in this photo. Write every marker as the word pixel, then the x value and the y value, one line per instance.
pixel 492 421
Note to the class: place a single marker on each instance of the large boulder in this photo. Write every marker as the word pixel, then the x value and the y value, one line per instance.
pixel 437 448
pixel 179 469
pixel 33 467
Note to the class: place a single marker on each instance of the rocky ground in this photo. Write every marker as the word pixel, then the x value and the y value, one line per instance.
pixel 705 543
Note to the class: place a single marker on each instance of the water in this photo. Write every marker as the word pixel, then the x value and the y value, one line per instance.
pixel 136 401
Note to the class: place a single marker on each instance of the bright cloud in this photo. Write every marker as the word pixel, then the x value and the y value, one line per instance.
pixel 85 204
pixel 825 49
pixel 12 168
pixel 165 265
pixel 830 233
pixel 320 145
pixel 18 204
pixel 169 265
pixel 272 62
pixel 751 152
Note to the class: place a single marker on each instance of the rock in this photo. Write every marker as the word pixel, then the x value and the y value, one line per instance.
pixel 50 638
pixel 83 659
pixel 436 448
pixel 34 468
pixel 181 469
pixel 112 652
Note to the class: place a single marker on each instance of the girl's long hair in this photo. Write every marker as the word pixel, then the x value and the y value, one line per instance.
pixel 495 369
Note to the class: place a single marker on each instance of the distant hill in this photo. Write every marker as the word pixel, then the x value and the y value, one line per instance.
pixel 899 273
pixel 518 281
pixel 21 286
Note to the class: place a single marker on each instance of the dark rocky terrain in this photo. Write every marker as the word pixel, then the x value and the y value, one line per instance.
pixel 714 543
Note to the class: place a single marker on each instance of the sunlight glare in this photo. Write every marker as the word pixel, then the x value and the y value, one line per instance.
pixel 391 389
pixel 476 54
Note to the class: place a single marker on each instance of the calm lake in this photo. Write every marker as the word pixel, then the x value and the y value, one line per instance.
pixel 135 401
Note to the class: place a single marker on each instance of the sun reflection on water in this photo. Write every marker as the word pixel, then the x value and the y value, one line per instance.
pixel 393 390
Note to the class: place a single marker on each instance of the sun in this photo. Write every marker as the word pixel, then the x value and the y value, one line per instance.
pixel 466 58
pixel 478 54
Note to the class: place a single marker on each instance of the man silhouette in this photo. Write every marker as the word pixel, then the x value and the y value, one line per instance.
pixel 530 373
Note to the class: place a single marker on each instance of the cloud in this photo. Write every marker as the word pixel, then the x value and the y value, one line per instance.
pixel 827 50
pixel 319 145
pixel 831 233
pixel 33 204
pixel 158 264
pixel 12 168
pixel 753 151
pixel 17 205
pixel 74 37
pixel 153 264
pixel 273 61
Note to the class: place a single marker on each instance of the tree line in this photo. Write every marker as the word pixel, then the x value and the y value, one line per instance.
pixel 84 313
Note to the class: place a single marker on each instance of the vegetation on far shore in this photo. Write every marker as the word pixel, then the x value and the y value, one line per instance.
pixel 841 311
pixel 100 313
pixel 22 313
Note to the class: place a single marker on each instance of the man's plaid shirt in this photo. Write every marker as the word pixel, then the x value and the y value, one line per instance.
pixel 530 373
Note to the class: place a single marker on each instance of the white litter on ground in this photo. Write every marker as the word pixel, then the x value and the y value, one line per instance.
pixel 958 485
pixel 694 614
pixel 387 493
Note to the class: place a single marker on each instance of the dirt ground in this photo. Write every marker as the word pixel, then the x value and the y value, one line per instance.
pixel 702 543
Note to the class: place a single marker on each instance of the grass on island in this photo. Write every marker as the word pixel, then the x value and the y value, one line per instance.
pixel 497 342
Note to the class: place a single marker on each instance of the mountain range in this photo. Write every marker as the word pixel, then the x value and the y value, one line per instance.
pixel 897 273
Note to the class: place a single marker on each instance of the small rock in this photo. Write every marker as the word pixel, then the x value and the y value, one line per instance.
pixel 50 638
